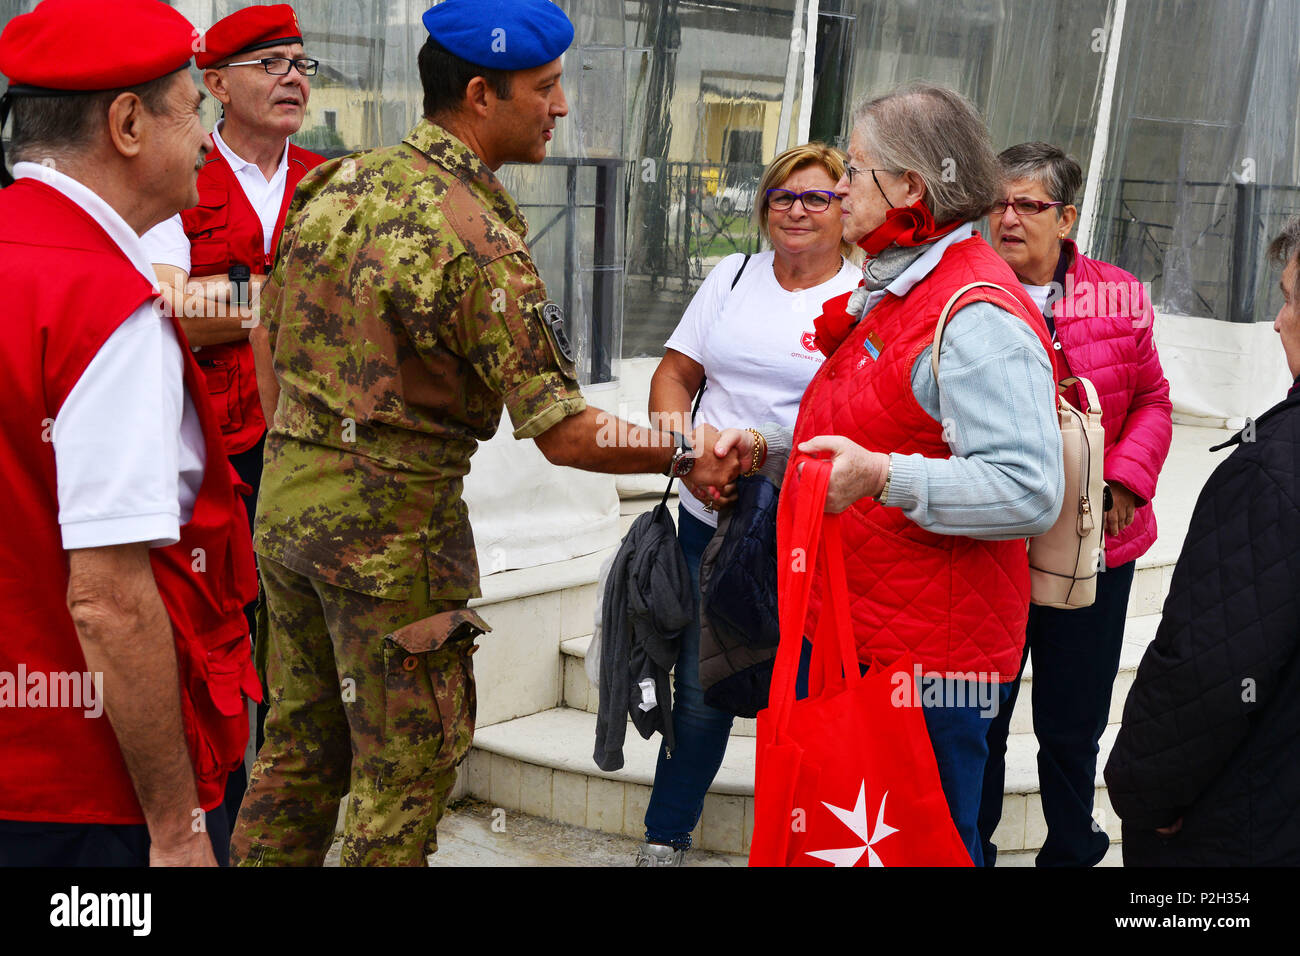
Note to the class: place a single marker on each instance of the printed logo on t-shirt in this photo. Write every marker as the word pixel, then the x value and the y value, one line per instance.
pixel 809 341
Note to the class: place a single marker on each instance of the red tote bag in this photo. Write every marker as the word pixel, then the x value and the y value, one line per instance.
pixel 843 777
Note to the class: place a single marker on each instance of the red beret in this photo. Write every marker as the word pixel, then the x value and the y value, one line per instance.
pixel 252 28
pixel 89 45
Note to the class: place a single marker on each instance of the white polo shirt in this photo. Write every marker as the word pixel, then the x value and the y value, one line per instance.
pixel 755 342
pixel 128 447
pixel 167 244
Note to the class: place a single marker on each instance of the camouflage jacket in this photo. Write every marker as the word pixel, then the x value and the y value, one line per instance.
pixel 404 312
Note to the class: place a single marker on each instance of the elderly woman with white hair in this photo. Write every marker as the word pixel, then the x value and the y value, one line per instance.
pixel 942 479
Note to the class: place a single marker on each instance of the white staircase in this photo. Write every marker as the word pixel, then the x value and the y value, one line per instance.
pixel 537 711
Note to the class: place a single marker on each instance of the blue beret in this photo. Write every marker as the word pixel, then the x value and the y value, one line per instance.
pixel 501 34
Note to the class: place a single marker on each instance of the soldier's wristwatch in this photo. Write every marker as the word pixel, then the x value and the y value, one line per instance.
pixel 683 457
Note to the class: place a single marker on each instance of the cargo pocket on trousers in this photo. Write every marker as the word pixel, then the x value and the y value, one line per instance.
pixel 429 699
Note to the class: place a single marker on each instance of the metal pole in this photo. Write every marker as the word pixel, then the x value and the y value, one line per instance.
pixel 570 244
pixel 809 81
pixel 797 42
pixel 1101 142
pixel 603 300
pixel 1245 253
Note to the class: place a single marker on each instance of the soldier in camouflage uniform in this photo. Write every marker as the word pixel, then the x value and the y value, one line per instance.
pixel 404 312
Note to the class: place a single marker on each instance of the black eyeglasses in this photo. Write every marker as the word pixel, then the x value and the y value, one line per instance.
pixel 1023 207
pixel 279 65
pixel 852 171
pixel 814 200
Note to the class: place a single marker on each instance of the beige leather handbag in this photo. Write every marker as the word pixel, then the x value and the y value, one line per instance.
pixel 1063 561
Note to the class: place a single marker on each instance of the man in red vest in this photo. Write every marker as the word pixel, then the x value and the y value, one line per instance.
pixel 212 259
pixel 124 557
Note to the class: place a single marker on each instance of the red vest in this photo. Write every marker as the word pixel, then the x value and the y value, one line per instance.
pixel 58 764
pixel 224 231
pixel 957 603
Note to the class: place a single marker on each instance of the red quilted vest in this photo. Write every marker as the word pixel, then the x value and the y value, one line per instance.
pixel 956 603
pixel 58 764
pixel 224 231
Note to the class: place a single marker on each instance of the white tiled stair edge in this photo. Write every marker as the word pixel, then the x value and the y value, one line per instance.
pixel 580 694
pixel 518 667
pixel 1150 585
pixel 542 765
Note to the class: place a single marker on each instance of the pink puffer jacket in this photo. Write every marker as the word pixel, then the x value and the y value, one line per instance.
pixel 1104 327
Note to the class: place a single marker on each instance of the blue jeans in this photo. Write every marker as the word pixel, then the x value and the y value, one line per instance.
pixel 1076 656
pixel 701 732
pixel 958 735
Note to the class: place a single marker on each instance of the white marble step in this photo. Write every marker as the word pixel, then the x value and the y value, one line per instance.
pixel 580 694
pixel 542 765
pixel 518 667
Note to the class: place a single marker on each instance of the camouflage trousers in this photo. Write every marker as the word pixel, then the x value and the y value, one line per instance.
pixel 367 696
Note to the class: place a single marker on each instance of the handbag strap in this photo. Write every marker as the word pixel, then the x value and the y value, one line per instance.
pixel 799 548
pixel 947 311
pixel 1052 354
pixel 1089 391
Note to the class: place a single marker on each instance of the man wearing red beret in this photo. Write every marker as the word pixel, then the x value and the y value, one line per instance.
pixel 124 556
pixel 213 258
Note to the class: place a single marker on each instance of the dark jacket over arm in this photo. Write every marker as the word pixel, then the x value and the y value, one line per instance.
pixel 648 603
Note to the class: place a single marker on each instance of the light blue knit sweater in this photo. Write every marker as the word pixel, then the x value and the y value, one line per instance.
pixel 995 399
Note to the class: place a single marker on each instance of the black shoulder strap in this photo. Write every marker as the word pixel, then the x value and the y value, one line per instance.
pixel 741 271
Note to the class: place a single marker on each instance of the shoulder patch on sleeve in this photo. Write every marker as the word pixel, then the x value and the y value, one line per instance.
pixel 484 238
pixel 553 319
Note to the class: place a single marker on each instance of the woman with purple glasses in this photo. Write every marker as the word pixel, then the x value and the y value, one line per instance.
pixel 749 330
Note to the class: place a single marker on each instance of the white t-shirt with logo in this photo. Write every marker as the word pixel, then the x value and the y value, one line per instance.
pixel 756 345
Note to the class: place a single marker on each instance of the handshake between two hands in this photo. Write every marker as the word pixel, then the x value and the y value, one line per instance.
pixel 721 457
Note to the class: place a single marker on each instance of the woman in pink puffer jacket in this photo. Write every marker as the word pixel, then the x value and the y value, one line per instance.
pixel 1101 324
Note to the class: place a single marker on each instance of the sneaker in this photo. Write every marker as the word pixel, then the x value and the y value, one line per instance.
pixel 658 854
